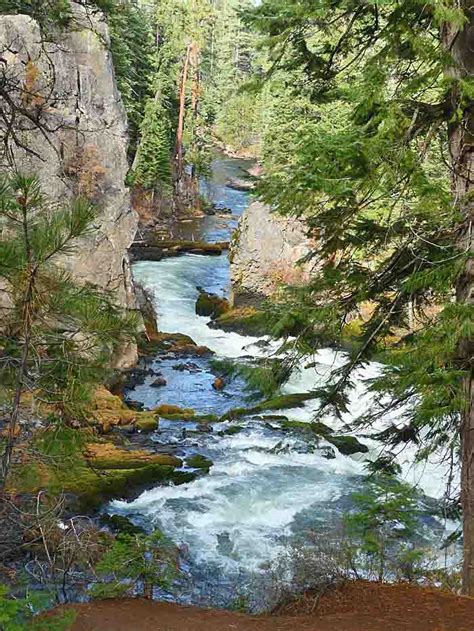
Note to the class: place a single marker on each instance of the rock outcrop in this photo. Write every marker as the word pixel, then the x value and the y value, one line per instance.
pixel 266 252
pixel 70 129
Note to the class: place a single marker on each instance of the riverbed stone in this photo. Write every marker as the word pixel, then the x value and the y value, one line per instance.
pixel 158 382
pixel 218 383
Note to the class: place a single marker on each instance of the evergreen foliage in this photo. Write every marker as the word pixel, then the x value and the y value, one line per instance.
pixel 52 13
pixel 18 614
pixel 358 150
pixel 152 164
pixel 133 51
pixel 383 530
pixel 135 565
pixel 57 337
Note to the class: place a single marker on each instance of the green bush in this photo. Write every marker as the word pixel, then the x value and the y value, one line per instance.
pixel 19 614
pixel 134 565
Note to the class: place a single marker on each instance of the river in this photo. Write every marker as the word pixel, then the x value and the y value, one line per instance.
pixel 267 487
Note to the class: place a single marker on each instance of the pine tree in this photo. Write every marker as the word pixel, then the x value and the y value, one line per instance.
pixel 379 167
pixel 152 167
pixel 133 51
pixel 57 337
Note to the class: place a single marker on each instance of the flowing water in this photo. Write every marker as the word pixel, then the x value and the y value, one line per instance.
pixel 267 486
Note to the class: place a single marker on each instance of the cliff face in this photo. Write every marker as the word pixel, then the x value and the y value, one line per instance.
pixel 67 124
pixel 266 251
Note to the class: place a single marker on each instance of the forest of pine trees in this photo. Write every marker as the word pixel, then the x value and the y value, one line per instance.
pixel 360 116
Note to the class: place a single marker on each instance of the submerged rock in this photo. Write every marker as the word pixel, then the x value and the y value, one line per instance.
pixel 218 384
pixel 199 462
pixel 158 382
pixel 204 428
pixel 327 452
pixel 232 430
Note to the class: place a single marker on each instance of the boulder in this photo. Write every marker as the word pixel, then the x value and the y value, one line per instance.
pixel 211 305
pixel 158 382
pixel 266 251
pixel 219 383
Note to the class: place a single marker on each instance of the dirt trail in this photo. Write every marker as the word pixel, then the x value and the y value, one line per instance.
pixel 356 607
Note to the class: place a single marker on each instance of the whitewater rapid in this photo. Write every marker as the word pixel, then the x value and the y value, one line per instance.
pixel 267 486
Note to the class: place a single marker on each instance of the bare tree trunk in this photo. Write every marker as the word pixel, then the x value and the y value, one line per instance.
pixel 182 111
pixel 460 42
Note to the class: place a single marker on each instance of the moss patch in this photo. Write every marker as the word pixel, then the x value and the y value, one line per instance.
pixel 108 411
pixel 281 402
pixel 199 462
pixel 243 320
pixel 74 462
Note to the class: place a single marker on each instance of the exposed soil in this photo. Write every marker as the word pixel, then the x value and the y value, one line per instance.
pixel 357 606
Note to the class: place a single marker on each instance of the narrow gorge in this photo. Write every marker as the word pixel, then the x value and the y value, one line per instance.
pixel 235 332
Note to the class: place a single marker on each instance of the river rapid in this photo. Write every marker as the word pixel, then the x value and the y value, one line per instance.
pixel 268 487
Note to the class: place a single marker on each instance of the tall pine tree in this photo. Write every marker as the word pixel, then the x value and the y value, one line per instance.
pixel 381 170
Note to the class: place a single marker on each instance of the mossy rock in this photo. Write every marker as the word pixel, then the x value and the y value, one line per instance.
pixel 207 418
pixel 243 320
pixel 282 402
pixel 147 422
pixel 108 456
pixel 107 410
pixel 348 445
pixel 121 524
pixel 199 462
pixel 175 413
pixel 232 430
pixel 286 401
pixel 160 341
pixel 211 305
pixel 86 470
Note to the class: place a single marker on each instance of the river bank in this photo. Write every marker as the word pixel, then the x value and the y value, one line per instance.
pixel 354 607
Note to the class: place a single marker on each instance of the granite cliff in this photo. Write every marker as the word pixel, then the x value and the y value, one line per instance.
pixel 63 120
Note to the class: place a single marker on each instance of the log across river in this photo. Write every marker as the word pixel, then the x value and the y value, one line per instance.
pixel 269 488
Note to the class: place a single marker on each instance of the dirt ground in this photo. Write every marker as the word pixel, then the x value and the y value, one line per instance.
pixel 358 606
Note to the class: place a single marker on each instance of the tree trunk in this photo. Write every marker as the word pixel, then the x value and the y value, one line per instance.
pixel 460 42
pixel 182 111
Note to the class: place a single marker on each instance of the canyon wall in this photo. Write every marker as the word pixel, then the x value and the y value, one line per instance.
pixel 266 252
pixel 63 120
